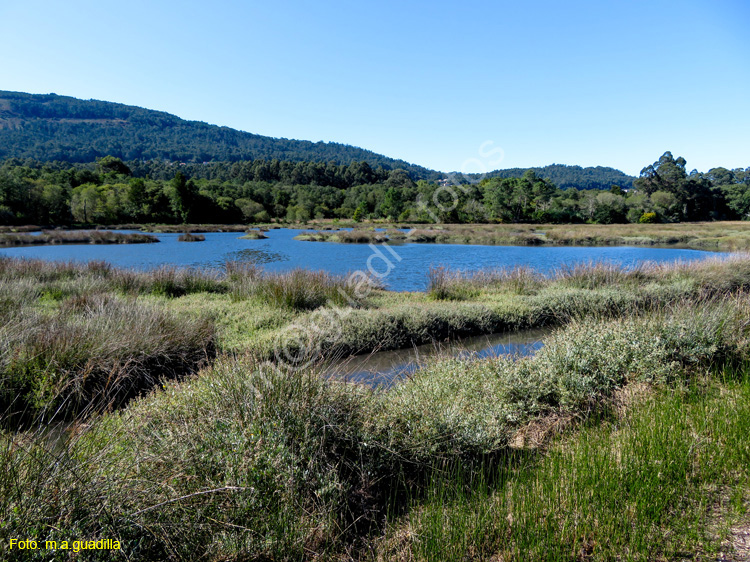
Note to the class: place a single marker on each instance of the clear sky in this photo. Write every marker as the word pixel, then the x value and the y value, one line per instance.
pixel 588 82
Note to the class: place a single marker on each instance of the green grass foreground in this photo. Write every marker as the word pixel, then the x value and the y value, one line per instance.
pixel 247 462
pixel 624 437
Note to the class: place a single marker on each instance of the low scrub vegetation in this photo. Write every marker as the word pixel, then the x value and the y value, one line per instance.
pixel 249 461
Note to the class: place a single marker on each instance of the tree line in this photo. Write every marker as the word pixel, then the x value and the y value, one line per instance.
pixel 111 191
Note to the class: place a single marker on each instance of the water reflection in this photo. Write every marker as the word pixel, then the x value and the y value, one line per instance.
pixel 259 256
pixel 384 368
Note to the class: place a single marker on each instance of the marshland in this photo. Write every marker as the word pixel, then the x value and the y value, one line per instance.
pixel 725 235
pixel 186 413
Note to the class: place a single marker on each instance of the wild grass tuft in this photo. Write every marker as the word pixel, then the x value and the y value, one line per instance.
pixel 95 352
pixel 298 289
pixel 665 478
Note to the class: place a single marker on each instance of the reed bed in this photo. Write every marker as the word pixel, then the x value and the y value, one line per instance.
pixel 94 353
pixel 80 338
pixel 298 289
pixel 354 236
pixel 189 237
pixel 48 237
pixel 24 228
pixel 715 275
pixel 727 236
pixel 198 228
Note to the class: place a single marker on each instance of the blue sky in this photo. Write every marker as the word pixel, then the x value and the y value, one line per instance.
pixel 448 85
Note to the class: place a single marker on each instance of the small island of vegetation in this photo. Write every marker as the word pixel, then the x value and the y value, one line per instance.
pixel 189 237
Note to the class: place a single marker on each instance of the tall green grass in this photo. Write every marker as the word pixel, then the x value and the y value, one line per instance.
pixel 92 353
pixel 298 289
pixel 248 461
pixel 665 479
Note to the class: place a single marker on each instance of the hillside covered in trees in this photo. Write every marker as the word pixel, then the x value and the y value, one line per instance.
pixel 48 127
pixel 51 127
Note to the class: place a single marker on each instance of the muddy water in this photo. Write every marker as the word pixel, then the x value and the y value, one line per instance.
pixel 384 368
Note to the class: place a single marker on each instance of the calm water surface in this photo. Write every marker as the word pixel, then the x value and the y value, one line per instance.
pixel 384 368
pixel 403 269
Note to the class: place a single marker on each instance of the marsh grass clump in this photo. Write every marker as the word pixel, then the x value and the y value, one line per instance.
pixel 254 235
pixel 298 289
pixel 68 278
pixel 602 274
pixel 518 280
pixel 170 281
pixel 190 237
pixel 445 284
pixel 94 352
pixel 359 236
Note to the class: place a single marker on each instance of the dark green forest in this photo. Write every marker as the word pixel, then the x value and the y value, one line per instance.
pixel 564 177
pixel 51 127
pixel 111 191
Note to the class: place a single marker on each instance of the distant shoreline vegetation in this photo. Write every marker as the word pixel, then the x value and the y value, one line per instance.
pixel 724 236
pixel 47 238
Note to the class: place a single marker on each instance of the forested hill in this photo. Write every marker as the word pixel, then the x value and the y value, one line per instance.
pixel 565 177
pixel 49 127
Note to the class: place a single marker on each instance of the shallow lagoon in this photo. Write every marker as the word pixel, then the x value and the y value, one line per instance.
pixel 402 266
